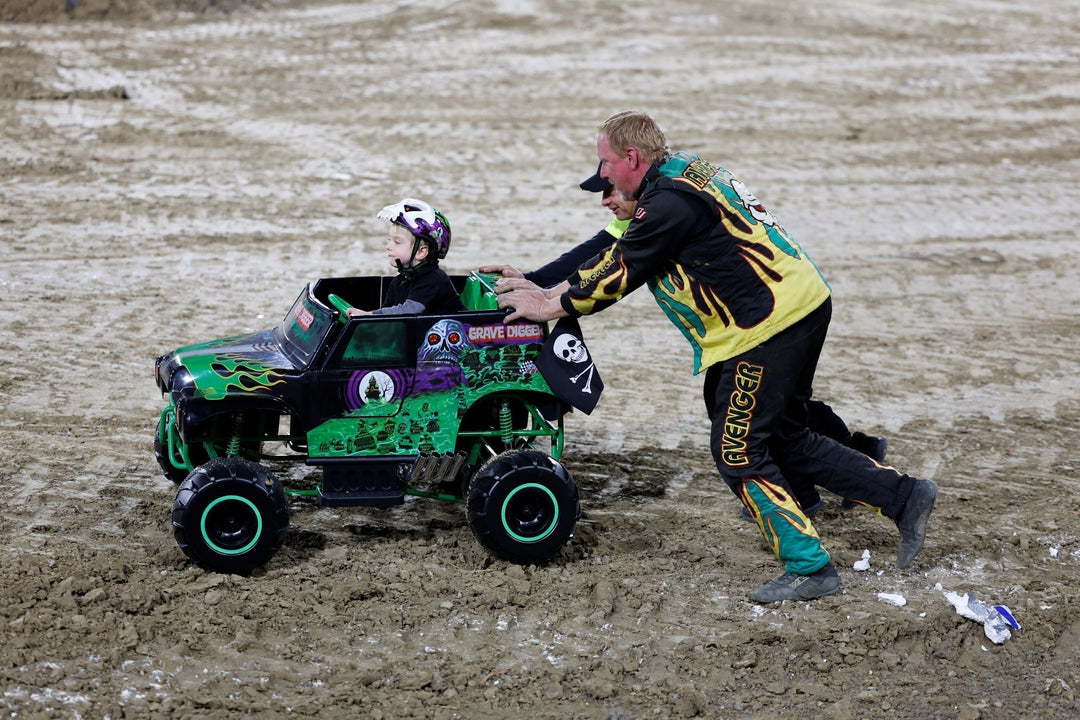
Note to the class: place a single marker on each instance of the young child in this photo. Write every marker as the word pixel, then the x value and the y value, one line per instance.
pixel 419 237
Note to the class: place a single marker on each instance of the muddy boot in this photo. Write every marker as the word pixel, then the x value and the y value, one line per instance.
pixel 911 522
pixel 790 586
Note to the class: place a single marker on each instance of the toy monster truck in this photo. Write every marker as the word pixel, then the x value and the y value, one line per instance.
pixel 450 407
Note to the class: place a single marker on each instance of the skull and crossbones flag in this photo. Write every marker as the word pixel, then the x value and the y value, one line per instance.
pixel 568 368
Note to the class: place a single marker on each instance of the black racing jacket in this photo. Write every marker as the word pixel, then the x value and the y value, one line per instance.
pixel 720 266
pixel 563 267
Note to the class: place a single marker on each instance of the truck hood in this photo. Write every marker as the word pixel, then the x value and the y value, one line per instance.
pixel 214 369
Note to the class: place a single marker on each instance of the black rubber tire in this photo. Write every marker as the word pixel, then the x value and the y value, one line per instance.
pixel 523 506
pixel 230 515
pixel 484 416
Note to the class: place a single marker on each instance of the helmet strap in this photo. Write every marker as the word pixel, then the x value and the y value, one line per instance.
pixel 403 270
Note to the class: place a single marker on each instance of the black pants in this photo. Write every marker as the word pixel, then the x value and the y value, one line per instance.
pixel 823 420
pixel 761 443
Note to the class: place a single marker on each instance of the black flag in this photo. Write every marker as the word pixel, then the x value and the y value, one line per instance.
pixel 568 367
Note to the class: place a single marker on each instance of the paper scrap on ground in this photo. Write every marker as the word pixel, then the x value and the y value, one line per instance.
pixel 996 620
pixel 893 599
pixel 864 563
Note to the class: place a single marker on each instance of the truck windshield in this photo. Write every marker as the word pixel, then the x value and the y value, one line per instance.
pixel 302 331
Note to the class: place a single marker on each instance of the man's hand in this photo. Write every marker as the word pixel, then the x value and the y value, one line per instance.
pixel 531 305
pixel 507 271
pixel 357 312
pixel 506 284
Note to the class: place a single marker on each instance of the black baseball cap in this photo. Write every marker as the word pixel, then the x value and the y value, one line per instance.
pixel 596 183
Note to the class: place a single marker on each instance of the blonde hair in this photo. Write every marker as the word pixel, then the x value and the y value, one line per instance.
pixel 634 129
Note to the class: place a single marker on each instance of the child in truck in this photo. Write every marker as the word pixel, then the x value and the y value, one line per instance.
pixel 419 237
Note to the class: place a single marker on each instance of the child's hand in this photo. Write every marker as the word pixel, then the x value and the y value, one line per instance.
pixel 507 271
pixel 357 312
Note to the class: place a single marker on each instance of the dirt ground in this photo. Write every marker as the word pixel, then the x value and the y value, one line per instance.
pixel 173 172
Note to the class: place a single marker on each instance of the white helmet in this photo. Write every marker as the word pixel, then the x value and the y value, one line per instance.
pixel 423 221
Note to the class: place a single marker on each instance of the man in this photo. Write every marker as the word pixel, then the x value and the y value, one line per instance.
pixel 563 266
pixel 820 417
pixel 755 310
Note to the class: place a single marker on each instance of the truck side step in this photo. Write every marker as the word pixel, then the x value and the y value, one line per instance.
pixel 368 482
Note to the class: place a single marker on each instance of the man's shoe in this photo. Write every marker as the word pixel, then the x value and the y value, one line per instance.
pixel 811 511
pixel 911 522
pixel 790 586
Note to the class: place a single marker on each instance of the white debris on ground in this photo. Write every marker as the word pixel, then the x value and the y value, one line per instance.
pixel 997 620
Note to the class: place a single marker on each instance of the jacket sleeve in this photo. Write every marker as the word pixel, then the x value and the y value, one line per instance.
pixel 662 222
pixel 563 266
pixel 409 307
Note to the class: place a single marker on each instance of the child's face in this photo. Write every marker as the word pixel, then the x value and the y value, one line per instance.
pixel 399 245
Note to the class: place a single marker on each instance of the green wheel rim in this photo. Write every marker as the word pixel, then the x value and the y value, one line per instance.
pixel 241 527
pixel 550 497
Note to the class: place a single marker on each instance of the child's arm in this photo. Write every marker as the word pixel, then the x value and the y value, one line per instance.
pixel 409 307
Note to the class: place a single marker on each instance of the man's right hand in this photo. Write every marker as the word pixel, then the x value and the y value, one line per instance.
pixel 506 284
pixel 531 305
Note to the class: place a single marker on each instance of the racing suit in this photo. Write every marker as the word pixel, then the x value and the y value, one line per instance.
pixel 821 418
pixel 755 310
pixel 563 266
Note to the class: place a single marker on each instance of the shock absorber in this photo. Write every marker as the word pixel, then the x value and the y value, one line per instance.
pixel 234 441
pixel 506 423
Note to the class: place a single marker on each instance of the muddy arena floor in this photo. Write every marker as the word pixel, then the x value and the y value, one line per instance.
pixel 174 175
